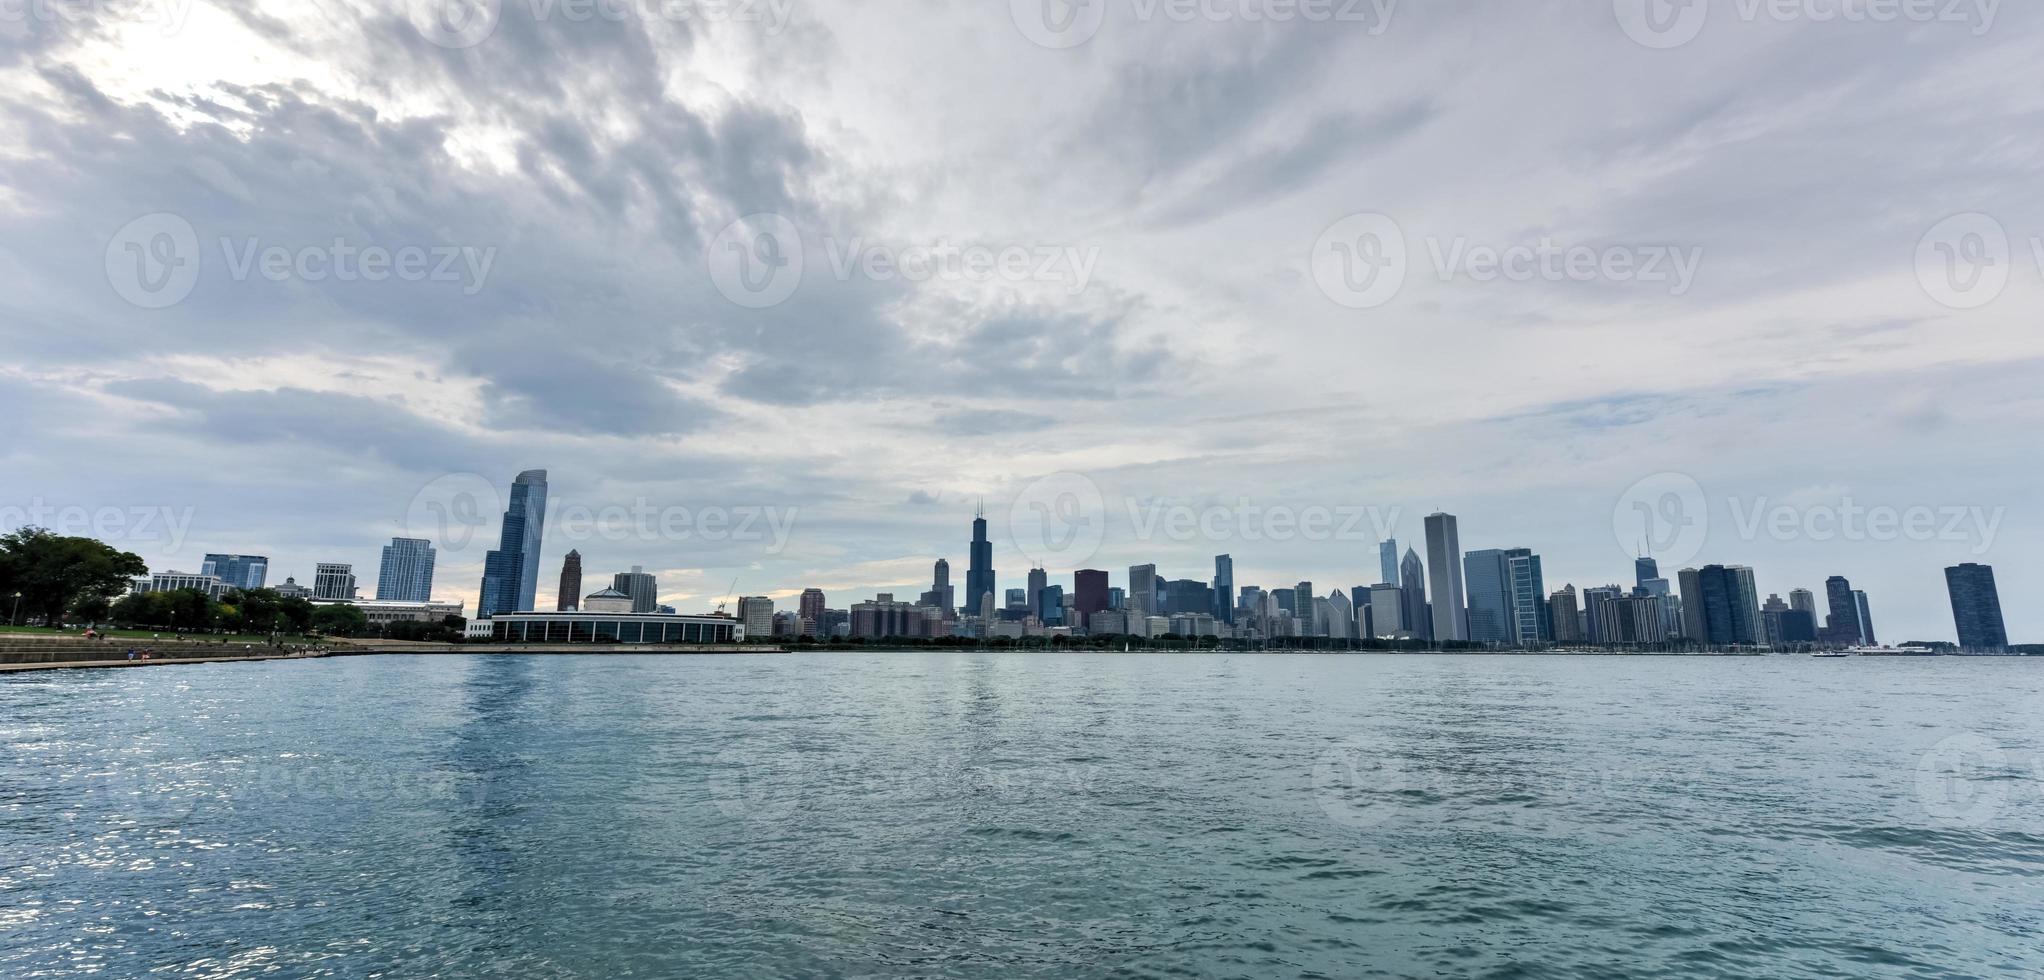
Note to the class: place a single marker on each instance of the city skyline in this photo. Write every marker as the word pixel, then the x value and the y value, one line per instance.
pixel 1506 603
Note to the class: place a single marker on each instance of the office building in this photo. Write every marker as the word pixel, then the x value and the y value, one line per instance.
pixel 1412 583
pixel 756 614
pixel 811 607
pixel 1488 581
pixel 175 581
pixel 1842 626
pixel 333 580
pixel 1089 596
pixel 1444 563
pixel 1976 608
pixel 1564 616
pixel 511 572
pixel 1866 618
pixel 1142 590
pixel 1387 613
pixel 237 571
pixel 644 591
pixel 1050 605
pixel 1721 604
pixel 1033 595
pixel 1387 562
pixel 568 596
pixel 406 572
pixel 1224 589
pixel 979 573
pixel 1530 623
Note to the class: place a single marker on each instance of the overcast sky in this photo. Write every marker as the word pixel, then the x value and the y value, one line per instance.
pixel 305 275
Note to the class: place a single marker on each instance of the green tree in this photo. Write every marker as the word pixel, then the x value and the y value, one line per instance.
pixel 340 619
pixel 297 614
pixel 54 573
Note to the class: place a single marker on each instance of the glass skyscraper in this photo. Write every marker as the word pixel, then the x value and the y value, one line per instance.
pixel 406 574
pixel 237 571
pixel 979 572
pixel 1976 607
pixel 1444 564
pixel 1530 623
pixel 511 573
pixel 1224 588
pixel 1387 562
pixel 1490 596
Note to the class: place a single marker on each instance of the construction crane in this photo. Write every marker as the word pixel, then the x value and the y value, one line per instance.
pixel 729 594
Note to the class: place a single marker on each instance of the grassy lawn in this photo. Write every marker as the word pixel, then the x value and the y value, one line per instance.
pixel 147 634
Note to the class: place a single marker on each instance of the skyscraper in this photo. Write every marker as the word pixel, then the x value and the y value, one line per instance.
pixel 511 573
pixel 1224 589
pixel 1645 570
pixel 1490 596
pixel 1387 613
pixel 1722 605
pixel 1842 625
pixel 1444 564
pixel 1976 608
pixel 1050 605
pixel 406 573
pixel 1302 608
pixel 1564 617
pixel 1387 561
pixel 979 573
pixel 644 591
pixel 940 594
pixel 1412 586
pixel 569 595
pixel 811 608
pixel 1038 580
pixel 237 571
pixel 1803 600
pixel 333 580
pixel 1142 590
pixel 1089 595
pixel 756 613
pixel 1531 625
pixel 1866 617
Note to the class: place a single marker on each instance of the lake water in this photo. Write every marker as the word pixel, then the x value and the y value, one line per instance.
pixel 963 815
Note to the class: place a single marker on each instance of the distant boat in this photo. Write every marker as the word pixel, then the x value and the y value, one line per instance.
pixel 1879 651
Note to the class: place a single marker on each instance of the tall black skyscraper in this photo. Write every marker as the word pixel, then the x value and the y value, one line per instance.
pixel 1224 588
pixel 979 573
pixel 1843 624
pixel 1038 581
pixel 511 573
pixel 1976 607
pixel 569 595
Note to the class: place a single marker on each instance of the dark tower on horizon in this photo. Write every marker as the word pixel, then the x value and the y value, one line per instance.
pixel 979 572
pixel 570 595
